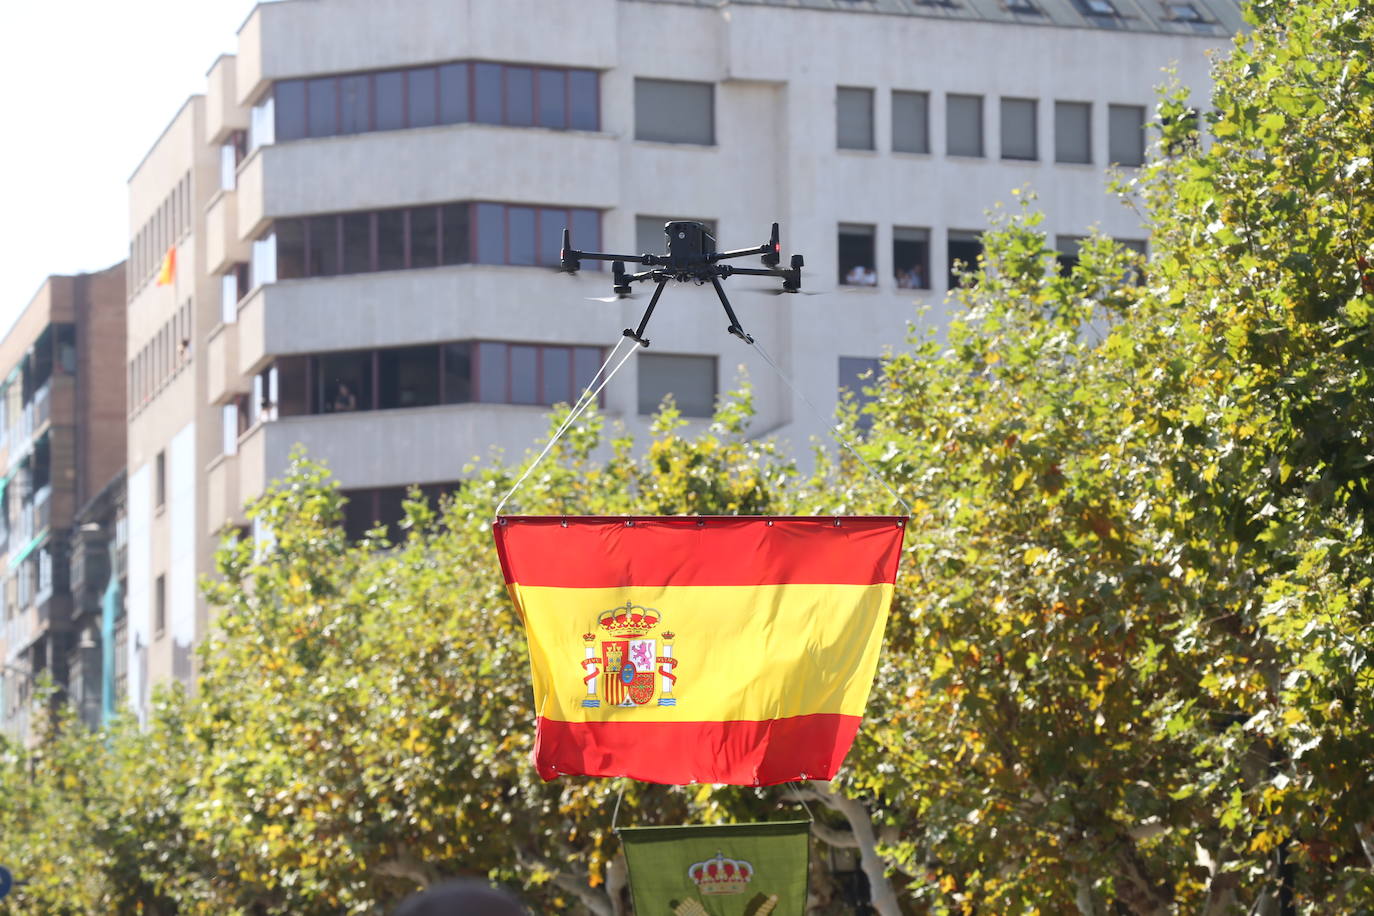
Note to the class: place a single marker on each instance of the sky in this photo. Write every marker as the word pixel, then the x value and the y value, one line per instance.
pixel 86 87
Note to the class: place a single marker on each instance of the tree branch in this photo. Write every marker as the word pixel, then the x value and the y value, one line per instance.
pixel 882 897
pixel 1366 841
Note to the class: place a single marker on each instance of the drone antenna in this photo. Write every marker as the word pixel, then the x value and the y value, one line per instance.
pixel 773 256
pixel 567 257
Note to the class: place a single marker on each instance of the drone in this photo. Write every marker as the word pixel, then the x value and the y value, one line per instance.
pixel 691 257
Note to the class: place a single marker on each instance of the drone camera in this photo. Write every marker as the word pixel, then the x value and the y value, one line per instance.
pixel 689 241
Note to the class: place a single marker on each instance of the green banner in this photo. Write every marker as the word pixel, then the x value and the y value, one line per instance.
pixel 725 870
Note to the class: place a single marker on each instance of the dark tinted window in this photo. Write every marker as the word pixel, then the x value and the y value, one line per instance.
pixel 357 243
pixel 491 372
pixel 355 104
pixel 551 223
pixel 520 234
pixel 964 249
pixel 391 248
pixel 422 103
pixel 457 373
pixel 524 369
pixel 553 98
pixel 290 248
pixel 584 106
pixel 457 245
pixel 911 258
pixel 586 231
pixel 586 360
pixel 424 237
pixel 489 224
pixel 322 101
pixel 487 93
pixel 556 379
pixel 289 108
pixel 453 93
pixel 391 109
pixel 344 382
pixel 324 246
pixel 519 96
pixel 408 377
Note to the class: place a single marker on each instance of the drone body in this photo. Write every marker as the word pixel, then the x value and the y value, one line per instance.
pixel 691 256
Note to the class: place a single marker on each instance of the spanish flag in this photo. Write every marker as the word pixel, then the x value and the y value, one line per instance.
pixel 167 272
pixel 700 650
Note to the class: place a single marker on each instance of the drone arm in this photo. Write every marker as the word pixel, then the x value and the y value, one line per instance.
pixel 606 256
pixel 740 253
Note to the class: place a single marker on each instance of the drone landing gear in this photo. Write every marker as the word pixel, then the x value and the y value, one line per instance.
pixel 637 335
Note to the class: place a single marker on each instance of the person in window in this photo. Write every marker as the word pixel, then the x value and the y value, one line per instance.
pixel 344 399
pixel 860 275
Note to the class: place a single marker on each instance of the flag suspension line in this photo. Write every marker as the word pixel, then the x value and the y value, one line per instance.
pixel 589 394
pixel 796 787
pixel 594 388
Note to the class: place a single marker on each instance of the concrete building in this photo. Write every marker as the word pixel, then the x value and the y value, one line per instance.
pixel 365 201
pixel 62 444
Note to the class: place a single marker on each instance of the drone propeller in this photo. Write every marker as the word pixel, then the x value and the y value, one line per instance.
pixel 616 298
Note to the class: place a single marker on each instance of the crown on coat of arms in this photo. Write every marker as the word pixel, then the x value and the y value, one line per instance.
pixel 721 875
pixel 630 620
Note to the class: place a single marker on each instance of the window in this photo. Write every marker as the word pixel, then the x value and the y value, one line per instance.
pixel 1098 7
pixel 422 97
pixel 964 125
pixel 1126 134
pixel 263 266
pixel 857 255
pixel 1183 12
pixel 455 93
pixel 854 118
pixel 64 346
pixel 344 381
pixel 389 100
pixel 857 374
pixel 964 249
pixel 262 128
pixel 1018 129
pixel 229 429
pixel 1066 247
pixel 649 236
pixel 290 235
pixel 910 122
pixel 321 246
pixel 486 93
pixel 911 258
pixel 1073 132
pixel 508 373
pixel 160 606
pixel 672 111
pixel 408 377
pixel 690 380
pixel 457 361
pixel 160 480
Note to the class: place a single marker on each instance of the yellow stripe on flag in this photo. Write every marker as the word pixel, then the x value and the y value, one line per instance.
pixel 751 652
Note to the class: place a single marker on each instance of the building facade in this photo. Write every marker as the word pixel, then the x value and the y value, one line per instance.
pixel 62 444
pixel 365 205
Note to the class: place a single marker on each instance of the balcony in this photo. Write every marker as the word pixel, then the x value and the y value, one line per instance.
pixel 440 303
pixel 222 240
pixel 452 163
pixel 221 363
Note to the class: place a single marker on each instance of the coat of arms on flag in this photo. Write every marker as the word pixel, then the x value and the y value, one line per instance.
pixel 626 662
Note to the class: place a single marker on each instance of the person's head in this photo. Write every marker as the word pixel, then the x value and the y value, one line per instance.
pixel 461 898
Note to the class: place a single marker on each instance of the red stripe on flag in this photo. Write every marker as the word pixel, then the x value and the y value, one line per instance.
pixel 609 553
pixel 678 753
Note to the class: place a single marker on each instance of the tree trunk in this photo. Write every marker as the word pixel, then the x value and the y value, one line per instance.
pixel 617 879
pixel 1366 841
pixel 1086 897
pixel 881 895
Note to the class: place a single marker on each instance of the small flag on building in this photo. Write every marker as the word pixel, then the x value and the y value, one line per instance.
pixel 724 870
pixel 167 272
pixel 700 650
